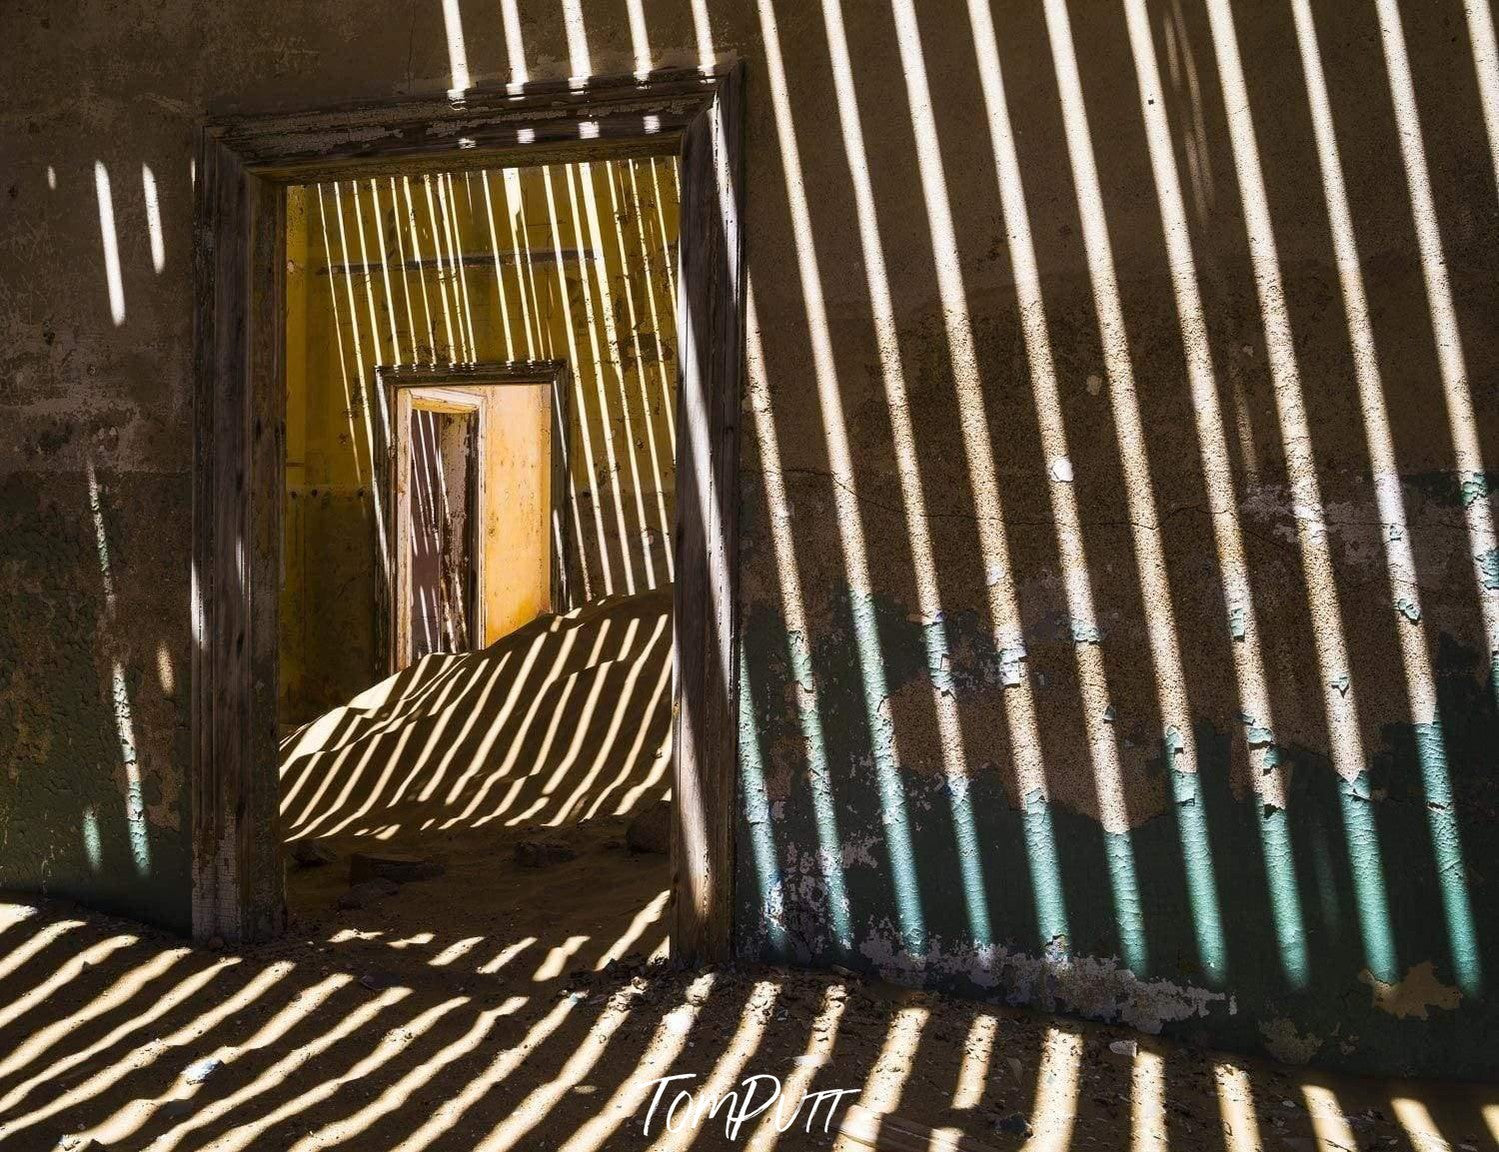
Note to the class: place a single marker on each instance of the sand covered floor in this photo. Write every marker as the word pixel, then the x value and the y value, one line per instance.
pixel 367 1033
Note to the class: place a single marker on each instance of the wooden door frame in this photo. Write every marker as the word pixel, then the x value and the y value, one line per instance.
pixel 392 577
pixel 243 166
pixel 391 380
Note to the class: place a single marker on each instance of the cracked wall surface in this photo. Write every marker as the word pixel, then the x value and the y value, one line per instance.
pixel 1118 579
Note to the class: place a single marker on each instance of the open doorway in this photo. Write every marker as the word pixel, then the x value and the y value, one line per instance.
pixel 437 505
pixel 472 466
pixel 245 439
pixel 475 655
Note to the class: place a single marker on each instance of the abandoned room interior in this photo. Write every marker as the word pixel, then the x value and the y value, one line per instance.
pixel 475 598
pixel 859 574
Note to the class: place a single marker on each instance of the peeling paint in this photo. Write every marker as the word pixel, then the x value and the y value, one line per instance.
pixel 1286 1043
pixel 1412 996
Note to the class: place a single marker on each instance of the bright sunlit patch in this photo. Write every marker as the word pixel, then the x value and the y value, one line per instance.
pixel 92 848
pixel 640 41
pixel 973 1073
pixel 1329 1123
pixel 892 1068
pixel 1058 1081
pixel 579 61
pixel 452 20
pixel 509 953
pixel 703 30
pixel 135 801
pixel 164 674
pixel 455 951
pixel 1486 65
pixel 556 960
pixel 1148 1102
pixel 153 218
pixel 111 243
pixel 1420 1127
pixel 1241 1129
pixel 344 935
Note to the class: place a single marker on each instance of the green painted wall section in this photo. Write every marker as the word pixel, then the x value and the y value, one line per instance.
pixel 92 729
pixel 1244 994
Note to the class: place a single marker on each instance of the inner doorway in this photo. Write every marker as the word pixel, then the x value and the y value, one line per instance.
pixel 475 480
pixel 438 508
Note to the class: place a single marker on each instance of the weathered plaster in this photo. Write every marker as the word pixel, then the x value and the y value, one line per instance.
pixel 862 638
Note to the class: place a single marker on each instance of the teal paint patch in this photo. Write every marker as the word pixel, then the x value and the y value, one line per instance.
pixel 894 818
pixel 1236 626
pixel 1488 569
pixel 1129 915
pixel 755 806
pixel 1473 487
pixel 1283 890
pixel 1084 632
pixel 1202 885
pixel 1455 489
pixel 1049 895
pixel 1409 609
pixel 1447 849
pixel 1366 859
pixel 1340 684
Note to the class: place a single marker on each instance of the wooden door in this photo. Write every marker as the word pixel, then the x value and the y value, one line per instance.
pixel 440 539
pixel 437 509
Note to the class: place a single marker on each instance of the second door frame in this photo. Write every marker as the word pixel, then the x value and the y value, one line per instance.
pixel 390 381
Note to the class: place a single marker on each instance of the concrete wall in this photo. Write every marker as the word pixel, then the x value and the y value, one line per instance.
pixel 1119 595
pixel 373 280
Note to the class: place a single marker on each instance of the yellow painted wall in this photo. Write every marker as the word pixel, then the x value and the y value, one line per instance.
pixel 572 262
